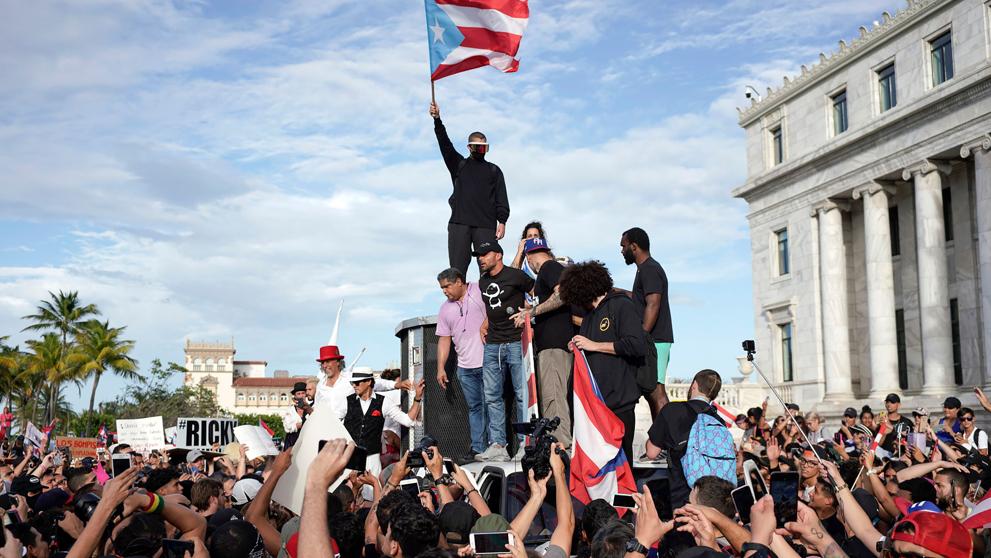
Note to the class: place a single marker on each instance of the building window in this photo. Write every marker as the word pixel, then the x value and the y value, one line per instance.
pixel 251 397
pixel 783 262
pixel 777 145
pixel 941 49
pixel 948 214
pixel 240 397
pixel 887 97
pixel 263 397
pixel 285 398
pixel 955 331
pixel 902 351
pixel 787 373
pixel 840 123
pixel 895 231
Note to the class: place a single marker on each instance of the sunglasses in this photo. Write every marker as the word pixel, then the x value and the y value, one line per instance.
pixel 968 419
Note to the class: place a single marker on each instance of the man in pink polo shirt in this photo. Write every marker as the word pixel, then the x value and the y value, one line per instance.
pixel 460 320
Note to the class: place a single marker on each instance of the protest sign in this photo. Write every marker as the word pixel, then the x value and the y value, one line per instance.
pixel 170 434
pixel 34 435
pixel 203 433
pixel 323 424
pixel 143 434
pixel 80 447
pixel 259 441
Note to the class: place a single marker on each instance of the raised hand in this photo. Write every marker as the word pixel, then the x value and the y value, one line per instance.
pixel 434 110
pixel 329 463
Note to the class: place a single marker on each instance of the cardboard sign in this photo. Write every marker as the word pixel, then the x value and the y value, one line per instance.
pixel 143 435
pixel 34 435
pixel 323 424
pixel 258 441
pixel 203 433
pixel 80 447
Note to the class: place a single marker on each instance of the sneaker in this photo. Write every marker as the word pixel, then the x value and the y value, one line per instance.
pixel 466 458
pixel 494 453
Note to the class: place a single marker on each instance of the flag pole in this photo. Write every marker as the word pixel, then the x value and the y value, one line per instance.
pixel 433 97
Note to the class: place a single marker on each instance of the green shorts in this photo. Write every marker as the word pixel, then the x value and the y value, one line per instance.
pixel 663 358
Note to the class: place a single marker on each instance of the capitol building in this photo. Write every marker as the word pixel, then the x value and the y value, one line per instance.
pixel 869 193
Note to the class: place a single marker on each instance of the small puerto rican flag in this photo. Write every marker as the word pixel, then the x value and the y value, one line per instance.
pixel 266 427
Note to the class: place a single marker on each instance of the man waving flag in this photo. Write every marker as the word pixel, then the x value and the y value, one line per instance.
pixel 468 34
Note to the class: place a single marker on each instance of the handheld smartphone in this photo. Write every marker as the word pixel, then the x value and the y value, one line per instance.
pixel 743 499
pixel 448 466
pixel 359 459
pixel 624 501
pixel 660 492
pixel 119 463
pixel 784 490
pixel 175 548
pixel 491 544
pixel 412 486
pixel 753 479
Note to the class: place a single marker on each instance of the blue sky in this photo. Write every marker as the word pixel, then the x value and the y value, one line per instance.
pixel 210 170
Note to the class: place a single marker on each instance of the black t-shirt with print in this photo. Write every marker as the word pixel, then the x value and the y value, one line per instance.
pixel 554 329
pixel 651 279
pixel 503 291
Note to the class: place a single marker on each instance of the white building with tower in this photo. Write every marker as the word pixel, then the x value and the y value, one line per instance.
pixel 869 192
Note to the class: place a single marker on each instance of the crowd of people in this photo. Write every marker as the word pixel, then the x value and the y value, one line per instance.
pixel 792 486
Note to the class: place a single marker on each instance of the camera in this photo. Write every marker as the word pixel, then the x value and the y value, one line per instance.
pixel 85 505
pixel 415 454
pixel 537 455
pixel 749 346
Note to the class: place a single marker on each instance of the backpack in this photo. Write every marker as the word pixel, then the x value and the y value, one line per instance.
pixel 710 451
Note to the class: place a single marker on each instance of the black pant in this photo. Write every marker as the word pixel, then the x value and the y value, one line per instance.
pixel 629 419
pixel 460 239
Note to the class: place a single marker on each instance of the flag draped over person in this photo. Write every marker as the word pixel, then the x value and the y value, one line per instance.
pixel 599 467
pixel 467 34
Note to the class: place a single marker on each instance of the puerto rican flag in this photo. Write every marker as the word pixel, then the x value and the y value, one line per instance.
pixel 468 34
pixel 599 467
pixel 266 427
pixel 980 514
pixel 529 372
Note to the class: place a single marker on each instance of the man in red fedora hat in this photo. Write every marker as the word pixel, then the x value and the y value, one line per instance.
pixel 334 382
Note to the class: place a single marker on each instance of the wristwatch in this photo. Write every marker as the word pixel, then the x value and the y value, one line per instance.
pixel 633 545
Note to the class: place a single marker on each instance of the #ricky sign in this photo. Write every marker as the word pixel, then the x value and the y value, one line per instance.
pixel 204 433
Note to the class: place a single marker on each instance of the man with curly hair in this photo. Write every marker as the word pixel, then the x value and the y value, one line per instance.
pixel 611 336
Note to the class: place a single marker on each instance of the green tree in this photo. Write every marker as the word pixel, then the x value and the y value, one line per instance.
pixel 273 421
pixel 154 394
pixel 64 314
pixel 100 349
pixel 50 368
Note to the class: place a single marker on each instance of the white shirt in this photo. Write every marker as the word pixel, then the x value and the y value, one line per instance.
pixel 390 424
pixel 982 440
pixel 336 396
pixel 389 409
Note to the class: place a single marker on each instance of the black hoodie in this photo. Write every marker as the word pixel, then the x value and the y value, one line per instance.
pixel 616 321
pixel 479 198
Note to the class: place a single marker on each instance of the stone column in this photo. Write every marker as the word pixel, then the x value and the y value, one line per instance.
pixel 882 329
pixel 980 149
pixel 934 297
pixel 835 302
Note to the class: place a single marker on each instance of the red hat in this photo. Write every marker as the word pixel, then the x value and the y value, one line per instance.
pixel 936 532
pixel 330 352
pixel 292 546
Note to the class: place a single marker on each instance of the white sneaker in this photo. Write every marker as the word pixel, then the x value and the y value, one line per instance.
pixel 495 452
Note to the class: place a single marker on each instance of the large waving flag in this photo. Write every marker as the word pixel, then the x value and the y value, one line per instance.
pixel 529 372
pixel 599 466
pixel 468 34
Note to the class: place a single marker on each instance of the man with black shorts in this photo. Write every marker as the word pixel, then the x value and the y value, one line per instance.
pixel 650 292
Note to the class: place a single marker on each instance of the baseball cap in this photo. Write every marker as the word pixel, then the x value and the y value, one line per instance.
pixel 920 412
pixel 486 247
pixel 492 523
pixel 245 490
pixel 25 485
pixel 292 546
pixel 194 456
pixel 535 245
pixel 936 532
pixel 793 407
pixel 850 412
pixel 456 520
pixel 892 398
pixel 50 500
pixel 951 403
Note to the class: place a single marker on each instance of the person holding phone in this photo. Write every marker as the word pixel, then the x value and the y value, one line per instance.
pixel 365 414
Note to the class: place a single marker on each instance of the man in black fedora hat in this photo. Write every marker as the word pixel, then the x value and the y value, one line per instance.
pixel 294 417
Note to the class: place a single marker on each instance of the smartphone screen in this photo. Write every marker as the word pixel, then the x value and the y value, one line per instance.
pixel 120 462
pixel 411 486
pixel 660 492
pixel 175 548
pixel 784 490
pixel 755 479
pixel 743 499
pixel 490 543
pixel 358 461
pixel 449 466
pixel 624 501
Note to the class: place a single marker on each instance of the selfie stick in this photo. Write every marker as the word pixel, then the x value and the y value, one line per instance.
pixel 750 348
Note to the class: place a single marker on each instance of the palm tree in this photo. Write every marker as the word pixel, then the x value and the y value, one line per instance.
pixel 100 349
pixel 47 362
pixel 64 314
